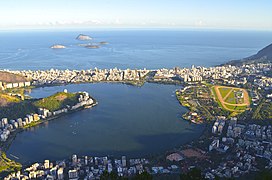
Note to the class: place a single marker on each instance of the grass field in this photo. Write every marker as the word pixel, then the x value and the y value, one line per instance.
pixel 57 101
pixel 231 98
pixel 216 97
pixel 236 108
pixel 6 99
pixel 7 164
pixel 224 91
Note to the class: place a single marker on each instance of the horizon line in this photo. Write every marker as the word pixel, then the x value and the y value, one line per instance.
pixel 60 28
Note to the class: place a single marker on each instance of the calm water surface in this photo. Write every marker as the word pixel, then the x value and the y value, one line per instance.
pixel 128 48
pixel 132 121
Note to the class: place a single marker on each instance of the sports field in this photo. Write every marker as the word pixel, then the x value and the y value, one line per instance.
pixel 231 98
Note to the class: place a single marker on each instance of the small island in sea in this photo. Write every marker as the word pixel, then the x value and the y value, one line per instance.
pixel 83 37
pixel 92 46
pixel 104 42
pixel 58 46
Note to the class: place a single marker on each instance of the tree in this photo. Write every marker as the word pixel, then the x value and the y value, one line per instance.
pixel 264 175
pixel 143 176
pixel 111 176
pixel 193 174
pixel 105 175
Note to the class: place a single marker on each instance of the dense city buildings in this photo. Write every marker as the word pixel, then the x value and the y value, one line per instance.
pixel 227 74
pixel 230 147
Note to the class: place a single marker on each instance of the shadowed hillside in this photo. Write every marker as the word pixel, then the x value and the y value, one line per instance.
pixel 11 78
pixel 264 55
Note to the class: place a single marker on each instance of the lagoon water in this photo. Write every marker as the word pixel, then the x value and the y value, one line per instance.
pixel 132 121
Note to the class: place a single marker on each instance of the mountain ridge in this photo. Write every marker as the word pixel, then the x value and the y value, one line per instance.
pixel 262 56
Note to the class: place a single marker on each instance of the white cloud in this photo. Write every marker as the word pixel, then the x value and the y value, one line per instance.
pixel 200 23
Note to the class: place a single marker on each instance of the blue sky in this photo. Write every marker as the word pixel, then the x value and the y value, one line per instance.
pixel 223 14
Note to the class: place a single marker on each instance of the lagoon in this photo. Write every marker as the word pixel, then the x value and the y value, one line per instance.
pixel 129 120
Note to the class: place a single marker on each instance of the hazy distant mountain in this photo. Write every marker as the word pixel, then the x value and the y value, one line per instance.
pixel 264 55
pixel 11 78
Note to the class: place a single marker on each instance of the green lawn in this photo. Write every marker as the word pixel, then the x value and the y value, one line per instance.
pixel 224 91
pixel 241 107
pixel 236 108
pixel 8 165
pixel 231 98
pixel 230 107
pixel 9 99
pixel 216 98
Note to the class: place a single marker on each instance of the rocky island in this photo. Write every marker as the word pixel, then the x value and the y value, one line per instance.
pixel 103 43
pixel 83 37
pixel 58 46
pixel 92 46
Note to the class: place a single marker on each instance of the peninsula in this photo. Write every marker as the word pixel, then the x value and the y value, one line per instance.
pixel 18 113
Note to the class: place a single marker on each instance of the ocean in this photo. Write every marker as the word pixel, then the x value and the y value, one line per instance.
pixel 152 49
